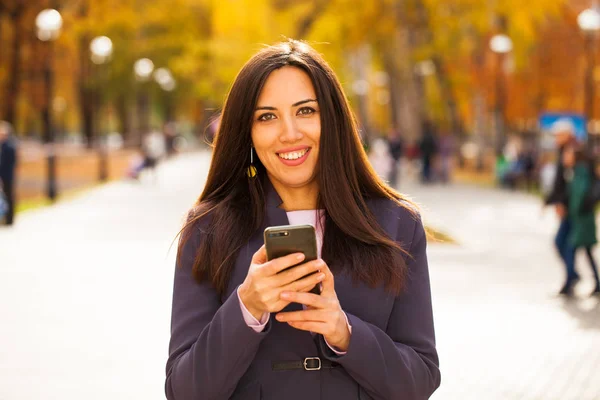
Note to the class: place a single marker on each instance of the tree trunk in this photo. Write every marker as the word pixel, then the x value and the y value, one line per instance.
pixel 394 87
pixel 124 117
pixel 449 98
pixel 408 107
pixel 411 109
pixel 86 95
pixel 444 83
pixel 359 61
pixel 14 70
pixel 308 21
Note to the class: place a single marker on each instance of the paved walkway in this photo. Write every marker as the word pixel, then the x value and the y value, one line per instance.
pixel 502 333
pixel 85 292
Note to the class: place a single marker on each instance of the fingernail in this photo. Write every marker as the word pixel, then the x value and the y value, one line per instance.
pixel 279 317
pixel 300 257
pixel 285 295
pixel 320 262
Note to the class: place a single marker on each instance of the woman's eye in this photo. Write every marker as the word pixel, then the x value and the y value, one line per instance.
pixel 306 111
pixel 266 117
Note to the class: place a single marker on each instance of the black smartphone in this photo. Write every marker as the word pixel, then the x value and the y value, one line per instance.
pixel 283 240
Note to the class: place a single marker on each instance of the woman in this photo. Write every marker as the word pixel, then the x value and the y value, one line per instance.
pixel 583 221
pixel 288 151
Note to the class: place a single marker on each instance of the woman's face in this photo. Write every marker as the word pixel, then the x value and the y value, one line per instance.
pixel 286 128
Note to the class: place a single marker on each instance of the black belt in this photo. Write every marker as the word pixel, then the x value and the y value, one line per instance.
pixel 308 364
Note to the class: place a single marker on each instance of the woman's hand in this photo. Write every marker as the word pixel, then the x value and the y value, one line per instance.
pixel 261 290
pixel 324 314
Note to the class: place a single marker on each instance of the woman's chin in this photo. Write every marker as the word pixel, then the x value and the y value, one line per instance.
pixel 293 182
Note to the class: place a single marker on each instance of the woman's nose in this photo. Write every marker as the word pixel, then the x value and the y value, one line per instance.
pixel 289 131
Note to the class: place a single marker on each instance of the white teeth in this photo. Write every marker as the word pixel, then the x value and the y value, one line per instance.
pixel 293 155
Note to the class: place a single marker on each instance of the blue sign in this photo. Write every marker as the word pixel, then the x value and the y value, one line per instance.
pixel 549 121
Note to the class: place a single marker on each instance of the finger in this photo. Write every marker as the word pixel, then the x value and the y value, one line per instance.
pixel 308 299
pixel 328 281
pixel 304 315
pixel 260 257
pixel 310 326
pixel 298 272
pixel 279 264
pixel 306 284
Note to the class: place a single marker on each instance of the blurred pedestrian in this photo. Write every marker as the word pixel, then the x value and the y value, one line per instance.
pixel 446 149
pixel 380 158
pixel 288 151
pixel 153 149
pixel 530 162
pixel 564 135
pixel 8 166
pixel 396 148
pixel 413 160
pixel 170 138
pixel 583 221
pixel 428 148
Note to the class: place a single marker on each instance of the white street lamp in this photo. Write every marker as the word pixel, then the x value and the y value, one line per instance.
pixel 165 79
pixel 101 48
pixel 143 68
pixel 589 20
pixel 501 44
pixel 589 23
pixel 48 23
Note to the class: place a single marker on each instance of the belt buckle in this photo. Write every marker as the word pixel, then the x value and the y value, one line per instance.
pixel 307 368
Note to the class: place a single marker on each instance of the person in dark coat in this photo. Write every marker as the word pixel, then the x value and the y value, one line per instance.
pixel 246 328
pixel 429 148
pixel 396 149
pixel 8 165
pixel 583 222
pixel 564 135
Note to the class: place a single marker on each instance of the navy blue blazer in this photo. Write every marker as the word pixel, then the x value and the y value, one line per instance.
pixel 213 354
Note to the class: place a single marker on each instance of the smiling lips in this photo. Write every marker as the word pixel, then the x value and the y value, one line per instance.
pixel 295 157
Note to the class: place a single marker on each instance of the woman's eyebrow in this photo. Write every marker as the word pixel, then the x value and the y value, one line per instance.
pixel 293 105
pixel 303 101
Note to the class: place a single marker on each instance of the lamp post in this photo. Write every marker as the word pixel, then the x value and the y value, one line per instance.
pixel 589 23
pixel 167 83
pixel 48 23
pixel 501 45
pixel 101 48
pixel 143 69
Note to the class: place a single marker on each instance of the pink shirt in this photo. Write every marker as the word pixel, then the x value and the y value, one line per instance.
pixel 304 217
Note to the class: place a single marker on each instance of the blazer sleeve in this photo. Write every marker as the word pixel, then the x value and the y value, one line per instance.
pixel 211 345
pixel 400 362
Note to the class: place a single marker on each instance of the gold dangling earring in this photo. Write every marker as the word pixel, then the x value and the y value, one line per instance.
pixel 251 170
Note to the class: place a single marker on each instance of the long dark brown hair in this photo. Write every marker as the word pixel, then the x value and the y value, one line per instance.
pixel 234 205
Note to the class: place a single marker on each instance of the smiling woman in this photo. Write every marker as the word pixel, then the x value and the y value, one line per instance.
pixel 247 328
pixel 286 133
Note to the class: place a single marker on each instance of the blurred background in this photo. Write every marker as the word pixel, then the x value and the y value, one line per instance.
pixel 112 105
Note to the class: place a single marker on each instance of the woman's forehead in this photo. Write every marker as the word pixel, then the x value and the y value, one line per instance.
pixel 286 86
